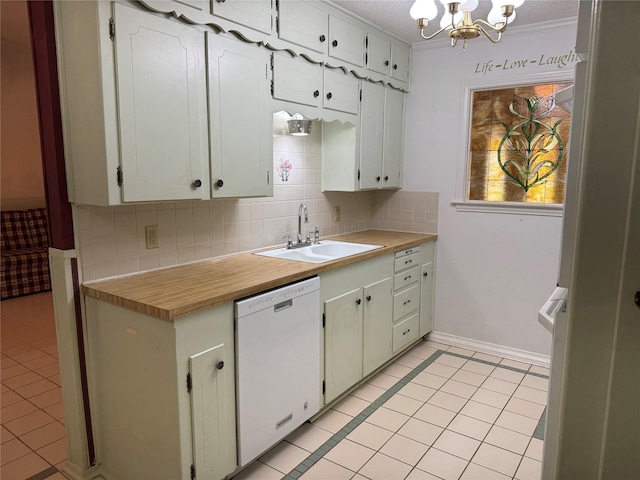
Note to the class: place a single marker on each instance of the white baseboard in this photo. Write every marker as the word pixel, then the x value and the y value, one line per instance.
pixel 490 348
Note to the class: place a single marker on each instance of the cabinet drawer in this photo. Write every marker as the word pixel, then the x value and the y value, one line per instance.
pixel 405 332
pixel 406 302
pixel 406 261
pixel 403 279
pixel 408 251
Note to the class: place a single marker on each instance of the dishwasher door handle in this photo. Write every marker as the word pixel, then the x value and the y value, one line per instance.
pixel 283 305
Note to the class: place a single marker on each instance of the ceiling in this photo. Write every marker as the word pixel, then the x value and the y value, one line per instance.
pixel 393 15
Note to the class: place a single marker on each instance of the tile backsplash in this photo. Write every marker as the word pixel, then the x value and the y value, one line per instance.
pixel 111 240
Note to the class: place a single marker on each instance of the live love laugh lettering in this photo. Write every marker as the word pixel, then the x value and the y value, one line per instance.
pixel 560 61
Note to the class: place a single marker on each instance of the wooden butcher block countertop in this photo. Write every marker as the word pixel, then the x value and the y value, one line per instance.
pixel 176 291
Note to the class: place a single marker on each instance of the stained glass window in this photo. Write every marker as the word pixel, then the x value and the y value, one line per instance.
pixel 518 148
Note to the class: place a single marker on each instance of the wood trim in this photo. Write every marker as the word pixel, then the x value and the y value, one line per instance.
pixel 48 100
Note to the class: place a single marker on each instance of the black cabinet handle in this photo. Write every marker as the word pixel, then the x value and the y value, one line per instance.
pixel 386 62
pixel 407 301
pixel 329 96
pixel 395 66
pixel 368 298
pixel 407 278
pixel 358 302
pixel 386 178
pixel 426 274
pixel 334 43
pixel 316 94
pixel 220 1
pixel 219 183
pixel 377 179
pixel 322 38
pixel 408 261
pixel 407 331
pixel 197 183
pixel 220 364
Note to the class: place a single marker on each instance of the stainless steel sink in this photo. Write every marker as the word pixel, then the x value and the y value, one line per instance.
pixel 325 251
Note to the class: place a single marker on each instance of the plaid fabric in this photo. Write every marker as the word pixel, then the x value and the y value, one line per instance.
pixel 15 230
pixel 24 272
pixel 24 256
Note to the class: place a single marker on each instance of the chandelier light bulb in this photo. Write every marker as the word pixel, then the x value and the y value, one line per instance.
pixel 495 16
pixel 470 5
pixel 424 9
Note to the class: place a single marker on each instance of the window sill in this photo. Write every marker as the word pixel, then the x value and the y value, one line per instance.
pixel 513 208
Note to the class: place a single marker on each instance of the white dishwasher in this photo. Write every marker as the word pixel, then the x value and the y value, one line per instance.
pixel 278 364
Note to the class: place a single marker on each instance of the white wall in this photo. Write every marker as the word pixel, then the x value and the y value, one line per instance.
pixel 494 271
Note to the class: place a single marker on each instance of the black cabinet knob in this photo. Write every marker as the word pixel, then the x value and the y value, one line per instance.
pixel 197 183
pixel 368 298
pixel 395 66
pixel 386 62
pixel 377 179
pixel 334 43
pixel 386 178
pixel 219 183
pixel 316 93
pixel 426 274
pixel 329 96
pixel 358 301
pixel 322 38
pixel 220 365
pixel 636 299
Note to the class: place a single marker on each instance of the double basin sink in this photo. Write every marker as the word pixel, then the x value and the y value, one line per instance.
pixel 325 251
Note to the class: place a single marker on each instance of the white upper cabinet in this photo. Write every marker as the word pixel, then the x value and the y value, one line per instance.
pixel 387 58
pixel 341 92
pixel 305 83
pixel 303 24
pixel 160 73
pixel 393 146
pixel 371 135
pixel 240 118
pixel 255 14
pixel 346 41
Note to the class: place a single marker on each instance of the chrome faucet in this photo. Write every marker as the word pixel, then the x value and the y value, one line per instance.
pixel 302 208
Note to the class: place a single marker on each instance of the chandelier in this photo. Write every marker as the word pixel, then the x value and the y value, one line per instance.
pixel 457 21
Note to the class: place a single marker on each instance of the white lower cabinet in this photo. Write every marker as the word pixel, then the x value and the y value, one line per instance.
pixel 162 393
pixel 357 322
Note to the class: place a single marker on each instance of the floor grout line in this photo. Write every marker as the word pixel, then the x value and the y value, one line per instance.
pixel 357 420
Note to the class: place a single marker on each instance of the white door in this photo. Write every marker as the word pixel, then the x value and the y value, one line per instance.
pixel 241 138
pixel 343 342
pixel 341 92
pixel 254 14
pixel 378 301
pixel 346 41
pixel 371 135
pixel 211 416
pixel 162 115
pixel 297 81
pixel 393 138
pixel 303 24
pixel 378 54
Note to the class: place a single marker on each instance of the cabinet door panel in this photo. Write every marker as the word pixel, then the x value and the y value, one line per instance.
pixel 405 333
pixel 254 14
pixel 297 81
pixel 371 135
pixel 341 92
pixel 211 422
pixel 346 41
pixel 303 24
pixel 241 152
pixel 343 343
pixel 426 299
pixel 161 106
pixel 393 138
pixel 378 54
pixel 377 325
pixel 400 62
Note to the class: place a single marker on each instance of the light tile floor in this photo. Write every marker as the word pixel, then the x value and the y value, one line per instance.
pixel 437 412
pixel 33 435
